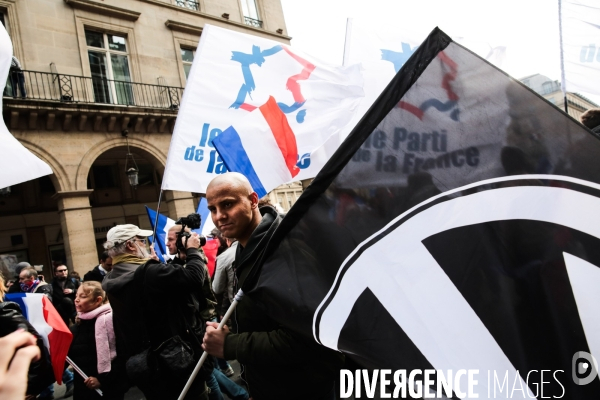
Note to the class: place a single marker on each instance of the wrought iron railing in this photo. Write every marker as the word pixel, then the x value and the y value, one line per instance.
pixel 257 23
pixel 192 5
pixel 81 89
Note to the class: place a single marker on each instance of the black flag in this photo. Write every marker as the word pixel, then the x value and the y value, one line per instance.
pixel 457 228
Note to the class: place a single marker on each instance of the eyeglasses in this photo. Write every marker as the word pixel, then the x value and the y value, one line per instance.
pixel 141 240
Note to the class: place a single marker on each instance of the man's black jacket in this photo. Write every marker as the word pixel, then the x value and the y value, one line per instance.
pixel 279 363
pixel 64 303
pixel 94 275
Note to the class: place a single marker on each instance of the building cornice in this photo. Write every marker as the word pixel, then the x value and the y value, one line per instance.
pixel 104 9
pixel 52 115
pixel 212 17
pixel 72 193
pixel 183 27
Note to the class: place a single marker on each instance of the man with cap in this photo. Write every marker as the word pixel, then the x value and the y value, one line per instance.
pixel 153 302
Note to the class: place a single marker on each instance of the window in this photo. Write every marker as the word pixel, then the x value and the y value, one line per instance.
pixel 187 57
pixel 251 16
pixel 548 87
pixel 109 66
pixel 190 4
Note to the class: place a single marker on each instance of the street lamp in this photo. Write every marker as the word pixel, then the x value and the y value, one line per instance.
pixel 132 172
pixel 132 175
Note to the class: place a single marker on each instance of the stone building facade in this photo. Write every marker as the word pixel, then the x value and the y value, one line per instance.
pixel 94 71
pixel 551 91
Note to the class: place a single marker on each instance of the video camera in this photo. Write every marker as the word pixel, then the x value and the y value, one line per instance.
pixel 192 221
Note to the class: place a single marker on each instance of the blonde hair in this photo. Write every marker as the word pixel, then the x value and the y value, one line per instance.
pixel 2 288
pixel 95 288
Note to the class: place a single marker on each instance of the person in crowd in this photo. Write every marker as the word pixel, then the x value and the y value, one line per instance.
pixel 17 77
pixel 93 348
pixel 224 280
pixel 101 270
pixel 154 302
pixel 591 119
pixel 217 382
pixel 75 277
pixel 278 362
pixel 18 268
pixel 63 293
pixel 31 370
pixel 19 351
pixel 30 282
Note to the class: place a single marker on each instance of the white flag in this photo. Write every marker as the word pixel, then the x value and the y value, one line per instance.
pixel 234 73
pixel 382 51
pixel 581 45
pixel 17 164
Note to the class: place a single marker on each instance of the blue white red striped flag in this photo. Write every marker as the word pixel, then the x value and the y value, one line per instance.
pixel 262 147
pixel 57 337
pixel 162 227
pixel 233 74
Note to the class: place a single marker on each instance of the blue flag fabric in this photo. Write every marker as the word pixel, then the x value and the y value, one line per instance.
pixel 163 225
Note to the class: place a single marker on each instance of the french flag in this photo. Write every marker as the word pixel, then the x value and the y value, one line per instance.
pixel 262 147
pixel 57 337
pixel 165 223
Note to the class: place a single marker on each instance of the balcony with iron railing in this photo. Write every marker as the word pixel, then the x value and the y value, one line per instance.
pixel 35 85
pixel 257 23
pixel 189 4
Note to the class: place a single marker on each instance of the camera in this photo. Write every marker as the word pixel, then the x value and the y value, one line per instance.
pixel 192 221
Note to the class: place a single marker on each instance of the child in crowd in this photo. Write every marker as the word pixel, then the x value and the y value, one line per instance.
pixel 93 346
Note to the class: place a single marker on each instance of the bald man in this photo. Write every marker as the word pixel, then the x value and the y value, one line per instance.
pixel 278 363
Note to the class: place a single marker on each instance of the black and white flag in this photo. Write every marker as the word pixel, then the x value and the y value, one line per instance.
pixel 457 228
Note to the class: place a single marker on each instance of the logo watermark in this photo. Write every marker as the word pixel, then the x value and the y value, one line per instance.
pixel 431 383
pixel 584 368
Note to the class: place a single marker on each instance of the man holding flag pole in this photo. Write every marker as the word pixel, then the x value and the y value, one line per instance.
pixel 279 363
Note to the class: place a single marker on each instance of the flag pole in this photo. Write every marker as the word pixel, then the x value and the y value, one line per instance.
pixel 156 217
pixel 562 57
pixel 346 41
pixel 80 372
pixel 236 300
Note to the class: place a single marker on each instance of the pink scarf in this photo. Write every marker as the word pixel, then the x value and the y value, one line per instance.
pixel 105 336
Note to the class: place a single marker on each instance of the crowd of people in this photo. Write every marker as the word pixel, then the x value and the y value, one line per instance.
pixel 137 321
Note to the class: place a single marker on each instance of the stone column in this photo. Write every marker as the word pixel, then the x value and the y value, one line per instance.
pixel 180 204
pixel 78 229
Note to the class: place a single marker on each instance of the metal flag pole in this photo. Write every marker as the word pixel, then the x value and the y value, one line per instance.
pixel 156 216
pixel 562 57
pixel 236 300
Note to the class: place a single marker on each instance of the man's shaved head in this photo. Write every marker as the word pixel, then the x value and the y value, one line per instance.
pixel 233 206
pixel 234 180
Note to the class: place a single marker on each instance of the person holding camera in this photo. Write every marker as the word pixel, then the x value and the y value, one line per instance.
pixel 156 313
